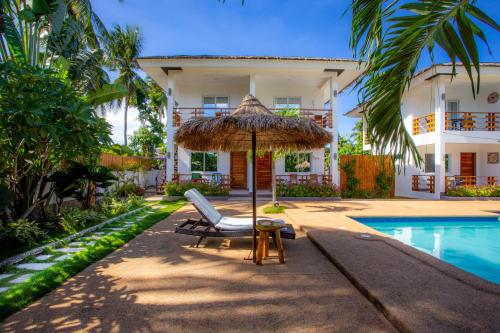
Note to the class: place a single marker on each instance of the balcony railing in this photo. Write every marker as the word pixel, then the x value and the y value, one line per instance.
pixel 472 121
pixel 294 179
pixel 424 124
pixel 423 183
pixel 181 115
pixel 452 182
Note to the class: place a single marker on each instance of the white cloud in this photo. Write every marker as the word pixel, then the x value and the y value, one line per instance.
pixel 115 118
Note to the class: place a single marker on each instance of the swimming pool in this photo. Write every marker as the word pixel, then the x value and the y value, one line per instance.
pixel 470 243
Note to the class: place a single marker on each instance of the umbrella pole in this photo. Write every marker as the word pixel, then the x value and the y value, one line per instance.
pixel 254 196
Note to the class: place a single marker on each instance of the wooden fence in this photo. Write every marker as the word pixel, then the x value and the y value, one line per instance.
pixel 366 170
pixel 117 162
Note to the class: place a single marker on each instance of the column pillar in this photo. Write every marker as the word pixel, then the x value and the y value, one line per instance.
pixel 170 129
pixel 439 90
pixel 334 145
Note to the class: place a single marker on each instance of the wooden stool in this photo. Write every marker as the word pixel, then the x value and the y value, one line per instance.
pixel 265 227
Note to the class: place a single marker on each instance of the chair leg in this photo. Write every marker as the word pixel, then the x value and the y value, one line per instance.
pixel 266 244
pixel 260 248
pixel 199 241
pixel 279 245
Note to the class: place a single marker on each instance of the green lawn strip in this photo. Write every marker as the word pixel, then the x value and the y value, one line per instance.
pixel 42 282
pixel 274 209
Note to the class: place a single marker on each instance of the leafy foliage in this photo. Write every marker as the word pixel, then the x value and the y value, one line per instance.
pixel 307 190
pixel 390 35
pixel 178 189
pixel 80 181
pixel 43 123
pixel 22 231
pixel 475 191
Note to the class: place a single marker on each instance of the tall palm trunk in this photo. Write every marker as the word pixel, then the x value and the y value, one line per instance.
pixel 125 116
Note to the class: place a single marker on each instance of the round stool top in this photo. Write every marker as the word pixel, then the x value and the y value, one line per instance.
pixel 268 225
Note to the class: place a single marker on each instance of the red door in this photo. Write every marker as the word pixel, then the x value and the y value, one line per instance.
pixel 264 171
pixel 238 169
pixel 467 164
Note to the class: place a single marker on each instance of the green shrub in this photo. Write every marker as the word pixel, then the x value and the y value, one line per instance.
pixel 384 184
pixel 21 231
pixel 129 188
pixel 475 191
pixel 178 189
pixel 112 206
pixel 307 190
pixel 71 220
pixel 135 201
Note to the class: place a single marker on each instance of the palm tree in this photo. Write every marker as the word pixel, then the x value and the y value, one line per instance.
pixel 390 35
pixel 124 47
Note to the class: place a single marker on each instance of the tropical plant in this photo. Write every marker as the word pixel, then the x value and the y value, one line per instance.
pixel 125 45
pixel 20 231
pixel 80 181
pixel 144 141
pixel 352 144
pixel 63 35
pixel 43 123
pixel 391 35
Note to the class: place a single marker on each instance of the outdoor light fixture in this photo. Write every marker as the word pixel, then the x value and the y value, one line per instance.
pixel 168 155
pixel 335 156
pixel 443 96
pixel 335 93
pixel 169 92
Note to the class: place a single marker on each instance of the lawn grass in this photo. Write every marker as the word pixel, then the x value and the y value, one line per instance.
pixel 41 283
pixel 274 209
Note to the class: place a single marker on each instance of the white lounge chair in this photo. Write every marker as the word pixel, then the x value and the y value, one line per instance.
pixel 214 224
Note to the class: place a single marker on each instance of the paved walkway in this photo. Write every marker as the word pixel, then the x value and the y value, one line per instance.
pixel 159 283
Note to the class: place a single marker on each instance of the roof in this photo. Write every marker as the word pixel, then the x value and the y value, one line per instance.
pixel 355 112
pixel 449 64
pixel 236 57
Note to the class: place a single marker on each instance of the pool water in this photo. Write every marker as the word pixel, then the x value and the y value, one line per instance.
pixel 470 243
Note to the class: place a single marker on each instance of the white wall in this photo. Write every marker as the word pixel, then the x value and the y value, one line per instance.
pixel 267 89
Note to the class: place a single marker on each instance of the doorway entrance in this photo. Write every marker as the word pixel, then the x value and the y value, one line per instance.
pixel 238 170
pixel 264 171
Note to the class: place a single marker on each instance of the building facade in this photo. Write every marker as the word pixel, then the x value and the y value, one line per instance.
pixel 213 86
pixel 456 134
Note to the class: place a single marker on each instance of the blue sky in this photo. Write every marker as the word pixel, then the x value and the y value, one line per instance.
pixel 259 27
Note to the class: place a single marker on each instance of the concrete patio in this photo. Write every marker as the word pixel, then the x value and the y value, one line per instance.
pixel 159 283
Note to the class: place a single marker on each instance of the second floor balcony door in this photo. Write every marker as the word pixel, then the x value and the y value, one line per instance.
pixel 215 105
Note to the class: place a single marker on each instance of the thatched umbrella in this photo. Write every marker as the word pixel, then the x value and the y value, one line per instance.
pixel 251 127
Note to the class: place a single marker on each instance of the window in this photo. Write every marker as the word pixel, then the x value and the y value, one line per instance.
pixel 213 104
pixel 453 107
pixel 203 162
pixel 298 162
pixel 429 163
pixel 287 102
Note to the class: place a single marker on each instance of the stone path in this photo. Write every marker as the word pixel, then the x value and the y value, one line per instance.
pixel 24 270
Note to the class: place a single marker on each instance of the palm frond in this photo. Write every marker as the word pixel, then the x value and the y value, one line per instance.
pixel 394 54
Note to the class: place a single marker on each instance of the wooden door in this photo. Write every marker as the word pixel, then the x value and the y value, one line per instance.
pixel 467 164
pixel 238 169
pixel 264 171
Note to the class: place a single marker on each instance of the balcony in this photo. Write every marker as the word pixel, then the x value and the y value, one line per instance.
pixel 181 115
pixel 423 183
pixel 472 121
pixel 424 124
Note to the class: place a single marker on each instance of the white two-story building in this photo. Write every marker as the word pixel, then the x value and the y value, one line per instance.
pixel 212 86
pixel 457 135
